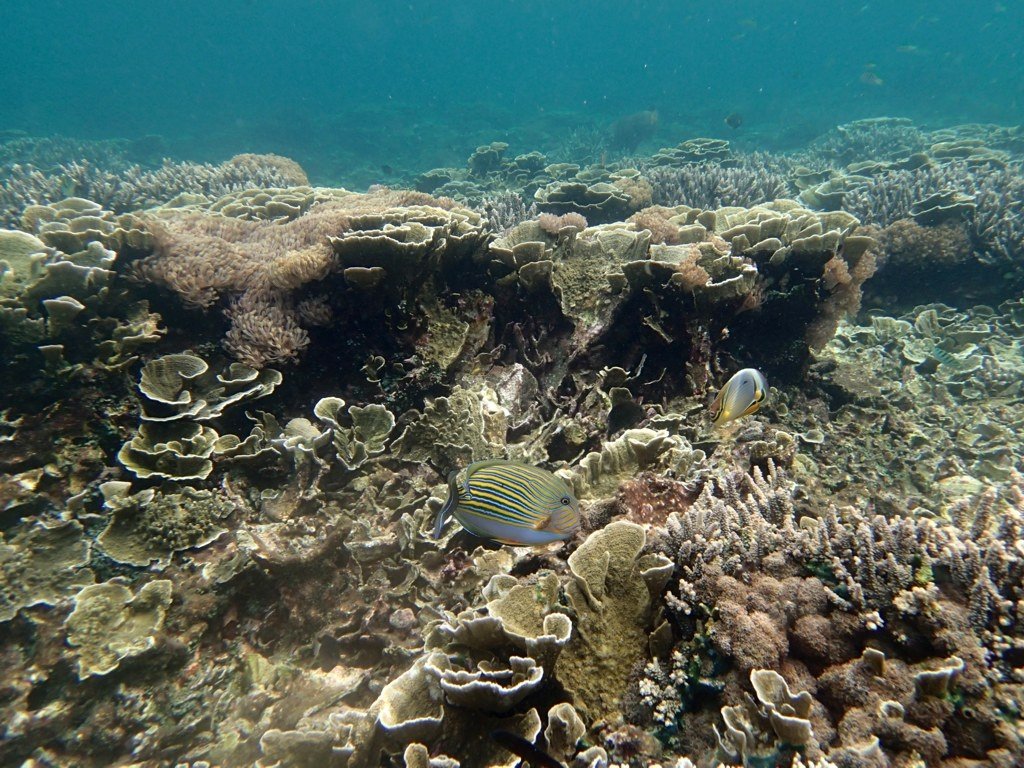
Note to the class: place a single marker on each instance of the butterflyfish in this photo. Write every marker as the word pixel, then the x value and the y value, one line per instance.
pixel 511 503
pixel 742 395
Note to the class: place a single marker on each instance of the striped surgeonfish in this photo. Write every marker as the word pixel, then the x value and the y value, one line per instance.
pixel 742 395
pixel 511 503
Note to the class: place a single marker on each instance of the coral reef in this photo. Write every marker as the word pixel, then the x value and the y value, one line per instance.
pixel 264 270
pixel 943 182
pixel 109 624
pixel 122 189
pixel 206 561
pixel 710 184
pixel 824 588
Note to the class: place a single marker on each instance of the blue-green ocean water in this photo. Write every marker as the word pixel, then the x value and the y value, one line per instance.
pixel 345 87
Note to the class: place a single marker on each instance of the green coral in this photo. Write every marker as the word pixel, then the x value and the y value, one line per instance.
pixel 610 595
pixel 357 434
pixel 466 426
pixel 21 256
pixel 174 450
pixel 181 386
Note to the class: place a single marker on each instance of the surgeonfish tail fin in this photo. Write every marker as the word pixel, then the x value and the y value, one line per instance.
pixel 449 505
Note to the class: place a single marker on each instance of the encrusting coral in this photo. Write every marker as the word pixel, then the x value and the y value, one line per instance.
pixel 39 563
pixel 149 527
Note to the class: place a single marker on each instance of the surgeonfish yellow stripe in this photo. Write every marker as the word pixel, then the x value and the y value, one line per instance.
pixel 512 503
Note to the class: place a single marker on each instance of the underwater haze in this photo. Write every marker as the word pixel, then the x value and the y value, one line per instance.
pixel 507 384
pixel 404 84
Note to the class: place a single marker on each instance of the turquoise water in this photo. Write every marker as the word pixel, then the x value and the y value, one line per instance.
pixel 414 85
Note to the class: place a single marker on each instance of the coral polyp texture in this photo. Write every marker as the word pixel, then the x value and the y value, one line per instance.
pixel 235 401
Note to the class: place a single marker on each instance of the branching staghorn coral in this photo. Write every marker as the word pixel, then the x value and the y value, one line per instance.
pixel 506 210
pixel 885 137
pixel 133 188
pixel 890 196
pixel 711 185
pixel 868 563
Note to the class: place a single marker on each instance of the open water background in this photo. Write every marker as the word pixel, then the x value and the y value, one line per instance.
pixel 418 84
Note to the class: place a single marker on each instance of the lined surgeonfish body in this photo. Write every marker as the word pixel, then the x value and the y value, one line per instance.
pixel 511 503
pixel 742 395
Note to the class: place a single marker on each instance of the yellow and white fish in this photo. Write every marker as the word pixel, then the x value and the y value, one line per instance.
pixel 511 503
pixel 742 395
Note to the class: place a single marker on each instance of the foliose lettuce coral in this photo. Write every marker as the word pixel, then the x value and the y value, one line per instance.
pixel 179 392
pixel 40 563
pixel 110 624
pixel 150 526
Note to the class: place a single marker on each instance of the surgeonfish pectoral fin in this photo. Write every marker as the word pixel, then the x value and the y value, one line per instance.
pixel 542 523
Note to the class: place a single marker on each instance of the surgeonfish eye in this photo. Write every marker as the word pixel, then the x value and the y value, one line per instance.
pixel 565 500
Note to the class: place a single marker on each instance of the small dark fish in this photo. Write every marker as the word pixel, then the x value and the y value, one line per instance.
pixel 387 170
pixel 525 750
pixel 734 120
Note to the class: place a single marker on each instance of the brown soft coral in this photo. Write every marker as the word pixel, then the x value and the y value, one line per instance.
pixel 640 191
pixel 842 279
pixel 552 223
pixel 655 219
pixel 912 249
pixel 260 266
pixel 752 618
pixel 650 499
